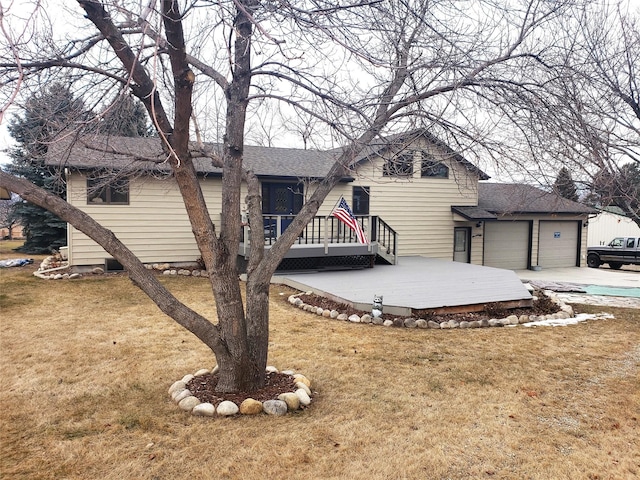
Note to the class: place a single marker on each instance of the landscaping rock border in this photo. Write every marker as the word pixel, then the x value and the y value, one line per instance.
pixel 52 268
pixel 168 269
pixel 286 402
pixel 566 312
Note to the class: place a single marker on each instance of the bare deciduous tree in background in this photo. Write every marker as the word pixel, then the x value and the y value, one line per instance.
pixel 363 69
pixel 585 115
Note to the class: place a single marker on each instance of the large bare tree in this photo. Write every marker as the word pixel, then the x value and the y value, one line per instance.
pixel 585 114
pixel 360 68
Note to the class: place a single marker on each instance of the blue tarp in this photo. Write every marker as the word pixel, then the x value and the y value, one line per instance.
pixel 15 262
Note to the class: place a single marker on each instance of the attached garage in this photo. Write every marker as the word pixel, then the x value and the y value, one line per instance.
pixel 523 226
pixel 558 244
pixel 507 244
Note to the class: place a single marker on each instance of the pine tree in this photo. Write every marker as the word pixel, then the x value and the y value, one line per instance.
pixel 565 186
pixel 45 115
pixel 126 117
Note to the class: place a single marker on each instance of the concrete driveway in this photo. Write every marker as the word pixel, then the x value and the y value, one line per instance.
pixel 627 277
pixel 594 286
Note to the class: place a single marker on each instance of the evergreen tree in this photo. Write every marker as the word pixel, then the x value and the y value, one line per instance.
pixel 45 115
pixel 565 186
pixel 126 117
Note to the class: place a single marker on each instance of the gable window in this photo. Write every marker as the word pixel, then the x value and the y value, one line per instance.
pixel 103 191
pixel 399 166
pixel 433 169
pixel 360 200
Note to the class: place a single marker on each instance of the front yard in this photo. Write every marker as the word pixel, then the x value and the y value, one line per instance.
pixel 86 365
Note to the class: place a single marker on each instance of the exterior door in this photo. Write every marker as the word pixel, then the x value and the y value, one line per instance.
pixel 462 244
pixel 284 199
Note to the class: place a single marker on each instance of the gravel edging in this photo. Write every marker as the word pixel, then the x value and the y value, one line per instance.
pixel 297 399
pixel 566 312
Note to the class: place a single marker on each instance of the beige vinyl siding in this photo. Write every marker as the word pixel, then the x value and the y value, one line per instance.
pixel 154 225
pixel 419 209
pixel 156 228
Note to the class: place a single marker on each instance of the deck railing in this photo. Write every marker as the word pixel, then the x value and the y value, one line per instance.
pixel 387 238
pixel 329 230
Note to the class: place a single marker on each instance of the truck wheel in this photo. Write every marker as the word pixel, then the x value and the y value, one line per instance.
pixel 615 265
pixel 593 260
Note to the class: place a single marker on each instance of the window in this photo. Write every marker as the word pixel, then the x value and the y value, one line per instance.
pixel 617 242
pixel 433 169
pixel 360 200
pixel 631 242
pixel 101 190
pixel 399 166
pixel 460 240
pixel 282 198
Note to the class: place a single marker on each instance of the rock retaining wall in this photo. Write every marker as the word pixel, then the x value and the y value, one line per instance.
pixel 566 311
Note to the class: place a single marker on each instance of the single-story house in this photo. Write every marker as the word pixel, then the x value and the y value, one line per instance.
pixel 413 195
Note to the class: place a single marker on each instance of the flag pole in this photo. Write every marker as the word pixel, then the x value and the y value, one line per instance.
pixel 334 205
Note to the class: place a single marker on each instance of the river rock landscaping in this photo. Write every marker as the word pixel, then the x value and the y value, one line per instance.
pixel 546 306
pixel 285 391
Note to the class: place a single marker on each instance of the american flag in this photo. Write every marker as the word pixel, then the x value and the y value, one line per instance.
pixel 343 213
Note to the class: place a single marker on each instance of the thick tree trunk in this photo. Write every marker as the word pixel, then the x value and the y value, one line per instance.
pixel 246 336
pixel 240 339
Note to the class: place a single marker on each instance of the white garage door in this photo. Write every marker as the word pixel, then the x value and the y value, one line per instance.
pixel 506 245
pixel 558 244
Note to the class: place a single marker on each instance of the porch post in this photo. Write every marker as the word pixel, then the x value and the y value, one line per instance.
pixel 326 236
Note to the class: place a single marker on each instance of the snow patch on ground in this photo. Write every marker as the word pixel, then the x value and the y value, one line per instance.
pixel 581 317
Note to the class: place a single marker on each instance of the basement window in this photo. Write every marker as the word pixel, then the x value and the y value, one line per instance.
pixel 112 265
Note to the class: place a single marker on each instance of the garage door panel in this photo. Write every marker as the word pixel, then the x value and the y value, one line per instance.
pixel 558 244
pixel 506 245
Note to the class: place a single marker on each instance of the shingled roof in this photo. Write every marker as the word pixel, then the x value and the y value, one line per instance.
pixel 496 199
pixel 145 153
pixel 383 144
pixel 520 198
pixel 127 153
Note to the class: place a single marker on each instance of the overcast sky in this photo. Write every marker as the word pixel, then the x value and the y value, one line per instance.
pixel 5 141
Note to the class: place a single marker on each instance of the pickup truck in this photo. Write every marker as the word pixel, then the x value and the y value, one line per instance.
pixel 620 251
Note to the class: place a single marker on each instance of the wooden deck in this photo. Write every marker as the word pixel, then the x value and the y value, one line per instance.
pixel 326 236
pixel 417 283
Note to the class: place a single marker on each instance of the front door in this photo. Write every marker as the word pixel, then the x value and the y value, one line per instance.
pixel 462 244
pixel 284 199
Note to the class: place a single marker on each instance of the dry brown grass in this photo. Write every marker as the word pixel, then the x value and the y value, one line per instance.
pixel 86 366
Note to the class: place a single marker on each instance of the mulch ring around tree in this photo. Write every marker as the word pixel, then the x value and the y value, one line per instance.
pixel 204 388
pixel 283 392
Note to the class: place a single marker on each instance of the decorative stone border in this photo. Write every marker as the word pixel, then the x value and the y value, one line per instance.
pixel 286 402
pixel 51 269
pixel 168 269
pixel 566 311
